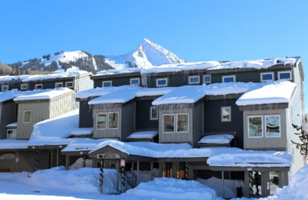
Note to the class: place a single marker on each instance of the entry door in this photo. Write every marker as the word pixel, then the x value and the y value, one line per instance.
pixel 168 170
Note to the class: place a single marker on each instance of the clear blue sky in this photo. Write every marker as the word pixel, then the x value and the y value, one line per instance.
pixel 193 30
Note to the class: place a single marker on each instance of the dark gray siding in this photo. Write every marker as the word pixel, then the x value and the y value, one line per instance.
pixel 49 84
pixel 8 115
pixel 118 81
pixel 143 121
pixel 85 115
pixel 198 116
pixel 212 119
pixel 251 76
pixel 128 119
pixel 12 85
pixel 174 80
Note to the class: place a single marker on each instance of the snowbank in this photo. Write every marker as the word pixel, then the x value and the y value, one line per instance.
pixel 216 139
pixel 142 135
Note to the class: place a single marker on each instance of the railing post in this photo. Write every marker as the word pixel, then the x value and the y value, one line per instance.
pixel 101 180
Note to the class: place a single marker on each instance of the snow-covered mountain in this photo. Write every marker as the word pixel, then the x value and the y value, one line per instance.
pixel 146 55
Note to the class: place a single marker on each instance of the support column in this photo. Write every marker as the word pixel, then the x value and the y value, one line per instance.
pixel 118 171
pixel 223 184
pixel 84 164
pixel 246 184
pixel 133 176
pixel 37 160
pixel 138 172
pixel 151 171
pixel 164 169
pixel 67 162
pixel 123 179
pixel 264 184
pixel 57 157
pixel 186 171
pixel 101 179
pixel 51 158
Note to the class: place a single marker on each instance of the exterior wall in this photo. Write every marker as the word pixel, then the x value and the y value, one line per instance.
pixel 48 84
pixel 128 119
pixel 143 121
pixel 85 115
pixel 213 123
pixel 198 119
pixel 117 81
pixel 8 115
pixel 12 85
pixel 39 112
pixel 62 105
pixel 175 137
pixel 266 143
pixel 83 83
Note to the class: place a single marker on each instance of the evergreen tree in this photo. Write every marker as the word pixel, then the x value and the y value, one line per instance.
pixel 303 136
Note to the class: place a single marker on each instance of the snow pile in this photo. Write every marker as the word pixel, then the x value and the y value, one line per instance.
pixel 272 92
pixel 82 131
pixel 229 186
pixel 43 94
pixel 171 188
pixel 79 164
pixel 216 139
pixel 11 125
pixel 13 144
pixel 142 135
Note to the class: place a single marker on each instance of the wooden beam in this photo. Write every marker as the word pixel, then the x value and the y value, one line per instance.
pixel 67 163
pixel 137 172
pixel 223 183
pixel 118 167
pixel 151 171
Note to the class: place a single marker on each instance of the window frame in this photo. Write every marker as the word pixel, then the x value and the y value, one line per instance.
pixel 38 85
pixel 117 121
pixel 262 126
pixel 221 115
pixel 176 120
pixel 24 84
pixel 166 79
pixel 207 76
pixel 265 116
pixel 163 126
pixel 97 120
pixel 131 79
pixel 263 73
pixel 69 86
pixel 2 86
pixel 189 82
pixel 233 76
pixel 280 72
pixel 58 83
pixel 107 82
pixel 14 133
pixel 24 117
pixel 151 118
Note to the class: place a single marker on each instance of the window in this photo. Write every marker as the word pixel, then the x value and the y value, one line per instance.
pixel 228 79
pixel 135 81
pixel 168 123
pixel 23 87
pixel 153 113
pixel 285 75
pixel 11 134
pixel 101 120
pixel 4 88
pixel 38 86
pixel 193 79
pixel 160 82
pixel 207 79
pixel 113 120
pixel 226 114
pixel 272 126
pixel 27 116
pixel 58 85
pixel 182 123
pixel 107 83
pixel 69 84
pixel 255 127
pixel 267 76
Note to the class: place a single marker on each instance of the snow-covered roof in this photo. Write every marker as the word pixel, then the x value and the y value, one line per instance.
pixel 83 144
pixel 272 92
pixel 11 94
pixel 13 78
pixel 43 94
pixel 118 71
pixel 82 131
pixel 13 144
pixel 216 139
pixel 120 96
pixel 11 125
pixel 143 135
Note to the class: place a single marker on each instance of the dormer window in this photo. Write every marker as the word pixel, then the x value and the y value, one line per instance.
pixel 69 84
pixel 38 86
pixel 286 75
pixel 23 87
pixel 193 79
pixel 161 82
pixel 4 88
pixel 207 79
pixel 107 83
pixel 135 81
pixel 268 76
pixel 59 85
pixel 228 79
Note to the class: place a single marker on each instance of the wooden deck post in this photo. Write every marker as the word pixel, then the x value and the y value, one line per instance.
pixel 67 163
pixel 51 158
pixel 133 177
pixel 246 184
pixel 57 157
pixel 223 183
pixel 151 171
pixel 118 170
pixel 137 172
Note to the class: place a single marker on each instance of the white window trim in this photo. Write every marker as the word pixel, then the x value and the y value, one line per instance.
pixel 176 124
pixel 161 79
pixel 24 117
pixel 207 76
pixel 151 118
pixel 285 72
pixel 130 81
pixel 231 76
pixel 4 86
pixel 189 77
pixel 23 85
pixel 223 120
pixel 261 78
pixel 97 121
pixel 163 126
pixel 69 86
pixel 107 82
pixel 59 83
pixel 14 133
pixel 265 126
pixel 38 85
pixel 117 121
pixel 261 126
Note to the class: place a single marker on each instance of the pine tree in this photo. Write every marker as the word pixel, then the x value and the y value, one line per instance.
pixel 303 136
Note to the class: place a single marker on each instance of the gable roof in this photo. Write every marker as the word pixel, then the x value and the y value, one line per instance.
pixel 45 94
